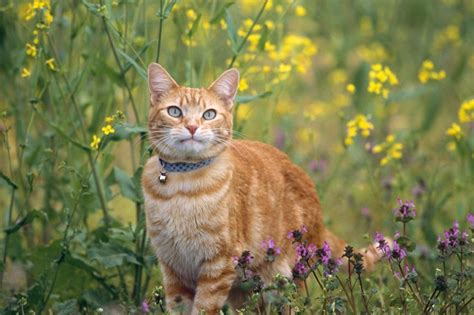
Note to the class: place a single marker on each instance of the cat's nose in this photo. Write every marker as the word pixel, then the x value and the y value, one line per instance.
pixel 192 129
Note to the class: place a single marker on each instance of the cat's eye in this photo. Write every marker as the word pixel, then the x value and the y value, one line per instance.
pixel 175 112
pixel 209 114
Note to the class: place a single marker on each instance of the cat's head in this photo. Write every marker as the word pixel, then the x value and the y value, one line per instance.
pixel 190 124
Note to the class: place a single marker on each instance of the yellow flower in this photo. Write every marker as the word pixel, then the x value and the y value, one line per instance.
pixel 392 149
pixel 109 119
pixel 50 63
pixel 31 50
pixel 427 72
pixel 191 14
pixel 25 73
pixel 361 124
pixel 108 129
pixel 455 131
pixel 48 18
pixel 351 88
pixel 223 24
pixel 270 25
pixel 451 146
pixel 188 41
pixel 243 85
pixel 466 111
pixel 95 142
pixel 300 10
pixel 380 79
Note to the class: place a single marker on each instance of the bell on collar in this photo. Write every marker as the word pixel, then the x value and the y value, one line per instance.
pixel 163 177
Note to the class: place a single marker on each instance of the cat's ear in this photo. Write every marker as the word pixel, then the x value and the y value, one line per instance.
pixel 159 82
pixel 226 86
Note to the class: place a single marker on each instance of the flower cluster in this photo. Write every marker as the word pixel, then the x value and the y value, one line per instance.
pixel 465 115
pixel 380 80
pixel 406 211
pixel 271 250
pixel 449 36
pixel 428 73
pixel 40 10
pixel 242 264
pixel 396 252
pixel 466 111
pixel 408 274
pixel 309 256
pixel 107 129
pixel 297 235
pixel 452 241
pixel 361 124
pixel 455 131
pixel 392 149
pixel 244 260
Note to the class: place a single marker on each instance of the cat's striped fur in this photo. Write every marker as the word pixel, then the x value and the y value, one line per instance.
pixel 250 193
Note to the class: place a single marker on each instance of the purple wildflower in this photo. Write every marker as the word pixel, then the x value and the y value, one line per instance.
pixel 318 166
pixel 397 252
pixel 453 240
pixel 280 138
pixel 145 308
pixel 244 260
pixel 297 235
pixel 331 266
pixel 270 250
pixel 408 274
pixel 300 271
pixel 365 212
pixel 406 211
pixel 305 251
pixel 324 253
pixel 470 220
pixel 382 244
pixel 419 189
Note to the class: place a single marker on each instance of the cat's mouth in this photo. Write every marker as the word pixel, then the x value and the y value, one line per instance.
pixel 190 140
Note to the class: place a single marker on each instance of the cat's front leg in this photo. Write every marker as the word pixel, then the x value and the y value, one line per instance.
pixel 213 286
pixel 179 298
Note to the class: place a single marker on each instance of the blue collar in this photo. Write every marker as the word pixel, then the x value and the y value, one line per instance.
pixel 181 167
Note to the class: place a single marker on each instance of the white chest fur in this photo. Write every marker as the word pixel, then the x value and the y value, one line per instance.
pixel 181 224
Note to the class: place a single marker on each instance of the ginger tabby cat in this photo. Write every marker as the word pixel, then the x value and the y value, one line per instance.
pixel 208 197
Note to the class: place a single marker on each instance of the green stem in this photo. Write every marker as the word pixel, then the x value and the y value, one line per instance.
pixel 7 235
pixel 83 130
pixel 249 32
pixel 122 72
pixel 351 302
pixel 160 30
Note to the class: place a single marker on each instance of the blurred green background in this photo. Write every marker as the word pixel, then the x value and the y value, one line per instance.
pixel 325 81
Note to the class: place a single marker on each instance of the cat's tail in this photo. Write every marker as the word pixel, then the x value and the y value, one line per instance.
pixel 371 254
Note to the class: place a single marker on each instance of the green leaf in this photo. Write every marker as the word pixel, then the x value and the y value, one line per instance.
pixel 406 243
pixel 220 14
pixel 126 131
pixel 241 99
pixel 168 9
pixel 140 70
pixel 128 65
pixel 231 32
pixel 263 38
pixel 112 255
pixel 127 185
pixel 195 25
pixel 67 307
